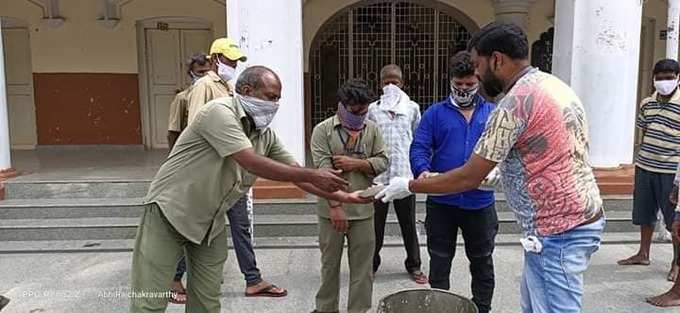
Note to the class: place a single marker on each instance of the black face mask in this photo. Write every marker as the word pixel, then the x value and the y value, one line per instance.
pixel 492 85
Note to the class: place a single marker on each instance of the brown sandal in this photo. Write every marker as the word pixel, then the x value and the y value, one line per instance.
pixel 178 296
pixel 419 277
pixel 270 291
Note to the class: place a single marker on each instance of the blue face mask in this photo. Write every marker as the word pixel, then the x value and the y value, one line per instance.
pixel 194 76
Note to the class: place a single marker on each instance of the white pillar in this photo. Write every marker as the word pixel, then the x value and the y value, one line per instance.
pixel 672 29
pixel 596 51
pixel 270 33
pixel 5 161
pixel 512 11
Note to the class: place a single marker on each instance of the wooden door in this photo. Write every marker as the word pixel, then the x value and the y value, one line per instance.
pixel 19 80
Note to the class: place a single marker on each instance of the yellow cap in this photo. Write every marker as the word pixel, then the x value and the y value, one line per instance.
pixel 228 48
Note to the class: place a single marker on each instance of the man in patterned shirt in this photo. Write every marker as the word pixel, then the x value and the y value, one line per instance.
pixel 538 135
pixel 398 117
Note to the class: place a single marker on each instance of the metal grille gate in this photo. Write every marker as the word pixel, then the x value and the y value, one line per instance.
pixel 360 41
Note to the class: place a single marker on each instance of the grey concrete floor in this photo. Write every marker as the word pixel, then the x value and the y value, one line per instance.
pixel 89 282
pixel 87 164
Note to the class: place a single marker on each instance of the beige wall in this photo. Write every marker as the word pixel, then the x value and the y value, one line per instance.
pixel 82 45
pixel 540 18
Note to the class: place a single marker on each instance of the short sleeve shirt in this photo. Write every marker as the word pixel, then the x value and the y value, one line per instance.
pixel 207 88
pixel 200 181
pixel 660 122
pixel 539 135
pixel 178 111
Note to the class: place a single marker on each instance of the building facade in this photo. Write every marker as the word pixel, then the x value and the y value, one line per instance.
pixel 103 72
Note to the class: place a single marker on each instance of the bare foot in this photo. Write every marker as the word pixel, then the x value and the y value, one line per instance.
pixel 635 260
pixel 176 285
pixel 665 300
pixel 177 293
pixel 673 273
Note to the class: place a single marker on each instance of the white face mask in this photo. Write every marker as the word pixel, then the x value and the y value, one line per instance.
pixel 390 97
pixel 261 111
pixel 665 87
pixel 463 98
pixel 225 72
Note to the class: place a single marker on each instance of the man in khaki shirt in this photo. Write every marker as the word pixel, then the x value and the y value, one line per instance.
pixel 348 142
pixel 198 66
pixel 224 56
pixel 217 158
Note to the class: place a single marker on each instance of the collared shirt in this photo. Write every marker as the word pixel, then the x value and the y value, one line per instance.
pixel 328 139
pixel 539 136
pixel 660 122
pixel 199 181
pixel 178 119
pixel 205 89
pixel 444 141
pixel 396 128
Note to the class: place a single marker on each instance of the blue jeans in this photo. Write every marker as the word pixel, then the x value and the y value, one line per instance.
pixel 239 223
pixel 552 281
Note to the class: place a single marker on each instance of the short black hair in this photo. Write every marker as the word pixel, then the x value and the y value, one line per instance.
pixel 199 59
pixel 252 76
pixel 506 38
pixel 666 65
pixel 355 92
pixel 461 65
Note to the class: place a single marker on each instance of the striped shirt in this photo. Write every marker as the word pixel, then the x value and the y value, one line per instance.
pixel 660 123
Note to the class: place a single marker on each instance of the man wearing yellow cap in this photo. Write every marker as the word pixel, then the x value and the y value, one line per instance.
pixel 224 56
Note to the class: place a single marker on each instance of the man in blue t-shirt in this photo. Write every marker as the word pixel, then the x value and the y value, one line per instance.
pixel 444 140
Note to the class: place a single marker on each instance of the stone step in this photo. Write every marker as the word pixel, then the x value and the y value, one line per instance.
pixel 70 208
pixel 264 189
pixel 98 228
pixel 17 189
pixel 132 207
pixel 302 242
pixel 20 189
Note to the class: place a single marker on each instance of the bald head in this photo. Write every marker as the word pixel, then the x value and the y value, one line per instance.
pixel 259 82
pixel 391 74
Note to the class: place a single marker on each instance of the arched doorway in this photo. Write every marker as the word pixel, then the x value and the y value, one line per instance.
pixel 359 40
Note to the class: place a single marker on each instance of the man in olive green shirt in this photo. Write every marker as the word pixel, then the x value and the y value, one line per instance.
pixel 352 144
pixel 217 83
pixel 214 162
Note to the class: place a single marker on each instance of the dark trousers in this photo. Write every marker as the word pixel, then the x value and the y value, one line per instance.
pixel 406 214
pixel 479 228
pixel 651 195
pixel 243 245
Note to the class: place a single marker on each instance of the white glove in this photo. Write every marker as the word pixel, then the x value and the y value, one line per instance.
pixel 428 174
pixel 397 189
pixel 492 180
